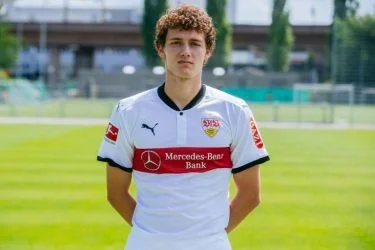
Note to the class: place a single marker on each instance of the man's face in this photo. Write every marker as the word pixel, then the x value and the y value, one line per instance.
pixel 184 53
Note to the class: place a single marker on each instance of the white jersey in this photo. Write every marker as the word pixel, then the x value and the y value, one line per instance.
pixel 181 161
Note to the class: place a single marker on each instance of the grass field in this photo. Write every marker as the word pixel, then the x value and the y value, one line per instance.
pixel 101 108
pixel 318 191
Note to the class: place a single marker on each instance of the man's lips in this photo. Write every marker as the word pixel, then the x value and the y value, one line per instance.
pixel 183 62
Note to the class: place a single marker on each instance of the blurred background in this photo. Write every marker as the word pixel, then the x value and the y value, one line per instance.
pixel 293 61
pixel 306 68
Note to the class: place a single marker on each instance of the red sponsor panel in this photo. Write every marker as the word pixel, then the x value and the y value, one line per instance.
pixel 181 160
pixel 112 132
pixel 255 133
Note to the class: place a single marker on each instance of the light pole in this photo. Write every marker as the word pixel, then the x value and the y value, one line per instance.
pixel 42 45
pixel 333 69
pixel 19 71
pixel 66 11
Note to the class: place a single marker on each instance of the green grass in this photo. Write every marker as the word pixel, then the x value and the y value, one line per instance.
pixel 62 108
pixel 318 191
pixel 101 108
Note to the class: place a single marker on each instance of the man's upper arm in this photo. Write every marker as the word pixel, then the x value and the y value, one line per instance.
pixel 118 181
pixel 248 181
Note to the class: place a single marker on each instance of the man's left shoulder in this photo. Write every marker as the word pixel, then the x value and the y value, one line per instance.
pixel 225 98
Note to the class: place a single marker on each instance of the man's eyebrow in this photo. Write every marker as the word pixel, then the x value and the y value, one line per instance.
pixel 175 38
pixel 179 39
pixel 196 40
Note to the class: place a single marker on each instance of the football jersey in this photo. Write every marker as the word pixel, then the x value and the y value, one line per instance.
pixel 181 160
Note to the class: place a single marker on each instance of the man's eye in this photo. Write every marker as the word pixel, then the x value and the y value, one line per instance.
pixel 196 44
pixel 175 42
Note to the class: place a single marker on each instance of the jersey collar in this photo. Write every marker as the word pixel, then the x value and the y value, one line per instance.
pixel 168 101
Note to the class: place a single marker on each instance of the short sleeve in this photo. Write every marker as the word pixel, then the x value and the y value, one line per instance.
pixel 247 148
pixel 116 148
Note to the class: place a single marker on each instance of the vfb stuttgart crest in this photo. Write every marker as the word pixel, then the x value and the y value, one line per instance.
pixel 210 126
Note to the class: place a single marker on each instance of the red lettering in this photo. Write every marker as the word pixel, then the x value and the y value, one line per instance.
pixel 210 123
pixel 255 133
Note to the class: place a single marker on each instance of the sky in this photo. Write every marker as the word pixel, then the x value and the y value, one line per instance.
pixel 247 11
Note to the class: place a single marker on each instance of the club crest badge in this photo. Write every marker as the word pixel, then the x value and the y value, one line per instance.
pixel 210 126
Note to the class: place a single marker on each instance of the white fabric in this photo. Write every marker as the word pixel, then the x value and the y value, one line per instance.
pixel 143 241
pixel 192 203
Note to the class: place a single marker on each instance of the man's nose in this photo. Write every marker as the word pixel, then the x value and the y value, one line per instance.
pixel 185 50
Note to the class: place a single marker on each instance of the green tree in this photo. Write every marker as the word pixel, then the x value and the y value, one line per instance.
pixel 221 55
pixel 342 10
pixel 280 38
pixel 357 45
pixel 8 46
pixel 153 10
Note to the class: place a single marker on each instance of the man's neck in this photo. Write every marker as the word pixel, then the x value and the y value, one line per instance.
pixel 182 91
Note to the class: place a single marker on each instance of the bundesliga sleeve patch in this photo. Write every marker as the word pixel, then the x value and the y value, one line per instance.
pixel 255 133
pixel 111 133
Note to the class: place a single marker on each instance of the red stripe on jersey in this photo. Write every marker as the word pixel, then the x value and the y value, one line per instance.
pixel 181 160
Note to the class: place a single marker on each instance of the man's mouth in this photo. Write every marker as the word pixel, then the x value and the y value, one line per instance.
pixel 184 62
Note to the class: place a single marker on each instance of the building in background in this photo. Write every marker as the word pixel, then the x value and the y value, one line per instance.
pixel 250 17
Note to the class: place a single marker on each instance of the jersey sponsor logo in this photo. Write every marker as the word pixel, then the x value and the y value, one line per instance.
pixel 210 126
pixel 181 160
pixel 255 133
pixel 152 129
pixel 111 133
pixel 151 160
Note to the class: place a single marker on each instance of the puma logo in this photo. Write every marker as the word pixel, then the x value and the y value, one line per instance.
pixel 144 125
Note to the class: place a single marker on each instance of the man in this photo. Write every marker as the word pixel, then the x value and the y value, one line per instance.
pixel 180 143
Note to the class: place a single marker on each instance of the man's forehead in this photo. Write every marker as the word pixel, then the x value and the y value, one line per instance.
pixel 184 34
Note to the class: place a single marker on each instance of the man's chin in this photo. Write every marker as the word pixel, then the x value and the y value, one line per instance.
pixel 185 75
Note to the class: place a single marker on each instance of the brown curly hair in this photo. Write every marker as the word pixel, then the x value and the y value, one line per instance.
pixel 185 17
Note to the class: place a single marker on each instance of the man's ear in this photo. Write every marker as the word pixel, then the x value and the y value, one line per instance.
pixel 207 56
pixel 160 50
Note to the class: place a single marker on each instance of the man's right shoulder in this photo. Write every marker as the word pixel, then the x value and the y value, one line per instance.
pixel 137 99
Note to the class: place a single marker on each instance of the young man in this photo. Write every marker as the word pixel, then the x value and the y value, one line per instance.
pixel 180 143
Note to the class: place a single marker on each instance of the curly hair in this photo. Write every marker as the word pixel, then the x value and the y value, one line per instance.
pixel 185 17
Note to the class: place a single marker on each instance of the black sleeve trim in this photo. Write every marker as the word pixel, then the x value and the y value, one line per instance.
pixel 250 164
pixel 113 164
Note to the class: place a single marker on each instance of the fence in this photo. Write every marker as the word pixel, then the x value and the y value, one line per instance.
pixel 115 84
pixel 275 99
pixel 352 55
pixel 267 111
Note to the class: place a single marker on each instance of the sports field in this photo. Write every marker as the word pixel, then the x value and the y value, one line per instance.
pixel 318 191
pixel 265 112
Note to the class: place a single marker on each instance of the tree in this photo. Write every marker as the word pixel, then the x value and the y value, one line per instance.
pixel 8 46
pixel 356 64
pixel 153 10
pixel 342 10
pixel 221 55
pixel 280 38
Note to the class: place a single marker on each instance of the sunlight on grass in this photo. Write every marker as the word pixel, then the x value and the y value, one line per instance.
pixel 317 191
